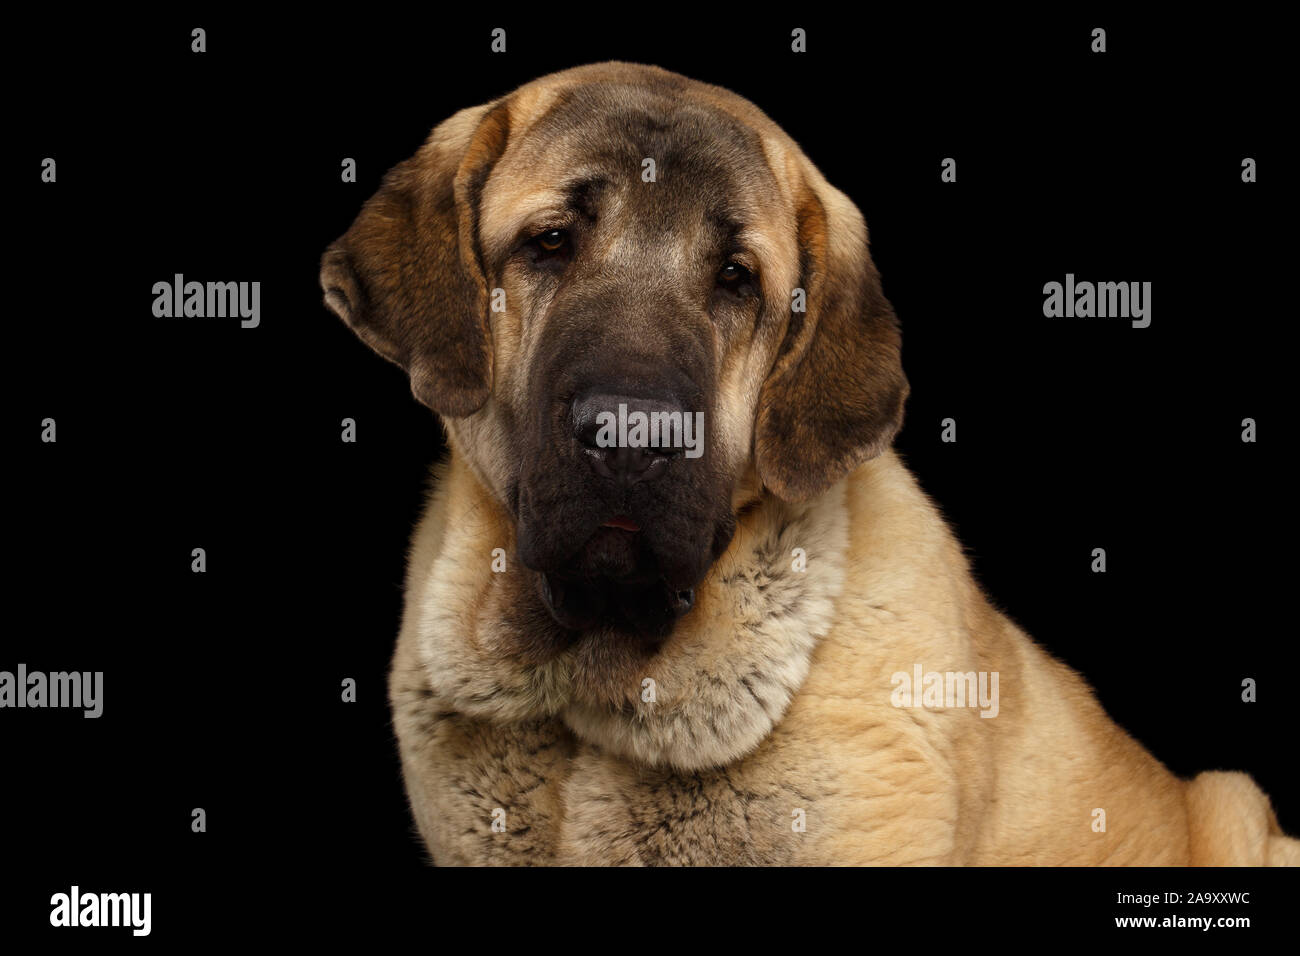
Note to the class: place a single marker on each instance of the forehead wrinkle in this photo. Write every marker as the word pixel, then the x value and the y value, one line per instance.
pixel 524 188
pixel 539 164
pixel 509 197
pixel 500 224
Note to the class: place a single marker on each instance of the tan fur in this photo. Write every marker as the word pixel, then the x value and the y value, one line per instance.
pixel 713 772
pixel 774 696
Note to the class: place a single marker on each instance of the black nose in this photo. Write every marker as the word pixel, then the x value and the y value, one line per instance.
pixel 627 437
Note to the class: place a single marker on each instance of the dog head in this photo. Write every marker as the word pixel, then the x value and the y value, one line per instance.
pixel 635 304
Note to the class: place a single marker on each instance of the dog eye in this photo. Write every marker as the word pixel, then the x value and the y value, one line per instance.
pixel 552 241
pixel 733 275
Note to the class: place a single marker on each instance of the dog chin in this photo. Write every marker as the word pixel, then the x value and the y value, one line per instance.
pixel 614 584
pixel 624 581
pixel 640 607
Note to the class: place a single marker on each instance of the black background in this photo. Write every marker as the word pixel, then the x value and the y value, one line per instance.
pixel 222 690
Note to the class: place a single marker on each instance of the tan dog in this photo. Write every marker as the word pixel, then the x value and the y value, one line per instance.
pixel 632 654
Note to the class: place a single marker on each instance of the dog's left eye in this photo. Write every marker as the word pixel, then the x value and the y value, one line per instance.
pixel 552 240
pixel 734 276
pixel 553 243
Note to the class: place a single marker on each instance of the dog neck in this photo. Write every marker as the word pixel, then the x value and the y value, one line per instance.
pixel 709 694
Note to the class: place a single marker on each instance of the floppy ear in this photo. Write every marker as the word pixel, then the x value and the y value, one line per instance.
pixel 834 397
pixel 408 275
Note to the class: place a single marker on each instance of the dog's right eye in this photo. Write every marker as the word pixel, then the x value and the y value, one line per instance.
pixel 551 244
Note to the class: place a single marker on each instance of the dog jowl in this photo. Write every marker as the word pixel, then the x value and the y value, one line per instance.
pixel 646 248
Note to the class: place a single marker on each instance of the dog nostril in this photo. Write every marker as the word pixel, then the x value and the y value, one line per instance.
pixel 627 437
pixel 587 426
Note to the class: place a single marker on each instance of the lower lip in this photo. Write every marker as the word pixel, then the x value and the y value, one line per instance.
pixel 622 523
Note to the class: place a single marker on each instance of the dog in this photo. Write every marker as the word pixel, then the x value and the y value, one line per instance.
pixel 614 651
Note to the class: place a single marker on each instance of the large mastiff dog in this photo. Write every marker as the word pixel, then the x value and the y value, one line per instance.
pixel 762 648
